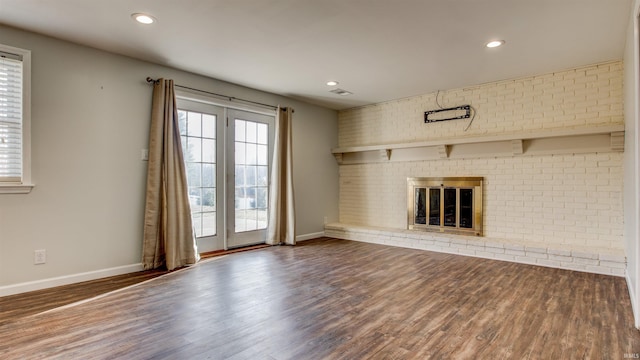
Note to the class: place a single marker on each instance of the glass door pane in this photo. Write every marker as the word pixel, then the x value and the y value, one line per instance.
pixel 420 206
pixel 250 149
pixel 466 208
pixel 251 170
pixel 434 206
pixel 450 207
pixel 200 126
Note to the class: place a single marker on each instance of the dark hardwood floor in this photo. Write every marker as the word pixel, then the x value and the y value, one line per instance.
pixel 336 299
pixel 17 306
pixel 35 302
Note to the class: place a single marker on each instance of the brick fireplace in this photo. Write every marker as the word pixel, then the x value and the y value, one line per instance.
pixel 549 149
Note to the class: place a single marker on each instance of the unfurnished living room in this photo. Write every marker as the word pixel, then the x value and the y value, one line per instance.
pixel 319 179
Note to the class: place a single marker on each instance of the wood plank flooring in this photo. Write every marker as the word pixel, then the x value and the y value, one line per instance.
pixel 20 305
pixel 16 306
pixel 336 299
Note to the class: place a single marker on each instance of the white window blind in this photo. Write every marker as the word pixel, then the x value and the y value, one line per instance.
pixel 11 117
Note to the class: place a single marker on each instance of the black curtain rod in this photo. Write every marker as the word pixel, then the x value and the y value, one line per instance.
pixel 230 98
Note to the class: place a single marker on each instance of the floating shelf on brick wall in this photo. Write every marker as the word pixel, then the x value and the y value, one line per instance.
pixel 556 141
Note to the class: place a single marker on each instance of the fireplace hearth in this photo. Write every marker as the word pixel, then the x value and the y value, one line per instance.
pixel 446 204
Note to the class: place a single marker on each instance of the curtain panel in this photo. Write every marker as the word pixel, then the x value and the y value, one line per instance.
pixel 169 237
pixel 282 218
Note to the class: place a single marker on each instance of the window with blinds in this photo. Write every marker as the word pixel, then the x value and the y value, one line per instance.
pixel 11 117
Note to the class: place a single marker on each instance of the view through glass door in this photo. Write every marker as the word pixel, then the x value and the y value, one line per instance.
pixel 249 155
pixel 227 156
pixel 202 137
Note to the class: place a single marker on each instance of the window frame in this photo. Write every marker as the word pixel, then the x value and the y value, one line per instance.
pixel 24 185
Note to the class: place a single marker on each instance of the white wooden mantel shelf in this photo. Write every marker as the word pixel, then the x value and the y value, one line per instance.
pixel 556 141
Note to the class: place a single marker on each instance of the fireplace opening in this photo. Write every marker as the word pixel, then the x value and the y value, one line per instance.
pixel 451 204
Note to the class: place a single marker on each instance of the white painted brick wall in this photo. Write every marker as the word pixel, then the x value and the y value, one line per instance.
pixel 581 97
pixel 557 200
pixel 577 201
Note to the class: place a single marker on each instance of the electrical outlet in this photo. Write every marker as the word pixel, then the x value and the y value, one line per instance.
pixel 40 257
pixel 144 154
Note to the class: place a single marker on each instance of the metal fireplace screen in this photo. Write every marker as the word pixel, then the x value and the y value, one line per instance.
pixel 448 205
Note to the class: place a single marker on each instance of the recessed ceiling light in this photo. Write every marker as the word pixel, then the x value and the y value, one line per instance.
pixel 495 43
pixel 332 83
pixel 143 18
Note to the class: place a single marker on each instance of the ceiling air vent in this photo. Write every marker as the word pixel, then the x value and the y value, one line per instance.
pixel 341 92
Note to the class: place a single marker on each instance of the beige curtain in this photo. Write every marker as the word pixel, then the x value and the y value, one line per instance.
pixel 168 232
pixel 282 219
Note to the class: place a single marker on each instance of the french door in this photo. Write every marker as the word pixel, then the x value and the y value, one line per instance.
pixel 249 153
pixel 227 154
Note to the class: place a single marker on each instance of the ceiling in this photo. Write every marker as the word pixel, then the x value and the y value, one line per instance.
pixel 377 49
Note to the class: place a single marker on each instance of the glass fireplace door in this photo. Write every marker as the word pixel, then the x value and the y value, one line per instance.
pixel 445 204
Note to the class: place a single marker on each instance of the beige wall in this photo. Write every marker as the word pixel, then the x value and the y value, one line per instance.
pixel 559 201
pixel 90 119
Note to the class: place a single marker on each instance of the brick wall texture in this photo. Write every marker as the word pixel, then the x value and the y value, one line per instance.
pixel 570 200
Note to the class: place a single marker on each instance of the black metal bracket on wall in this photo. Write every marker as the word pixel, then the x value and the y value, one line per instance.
pixel 466 108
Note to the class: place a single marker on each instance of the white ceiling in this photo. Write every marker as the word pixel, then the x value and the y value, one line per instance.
pixel 378 49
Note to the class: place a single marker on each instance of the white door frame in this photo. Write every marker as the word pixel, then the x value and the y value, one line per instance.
pixel 199 102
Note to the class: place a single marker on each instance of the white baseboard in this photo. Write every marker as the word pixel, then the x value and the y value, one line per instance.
pixel 634 304
pixel 606 262
pixel 309 236
pixel 67 279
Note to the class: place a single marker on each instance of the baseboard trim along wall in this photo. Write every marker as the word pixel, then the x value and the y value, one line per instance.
pixel 310 236
pixel 632 295
pixel 606 262
pixel 68 279
pixel 93 275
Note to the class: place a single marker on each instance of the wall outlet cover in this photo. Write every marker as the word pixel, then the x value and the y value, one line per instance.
pixel 40 257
